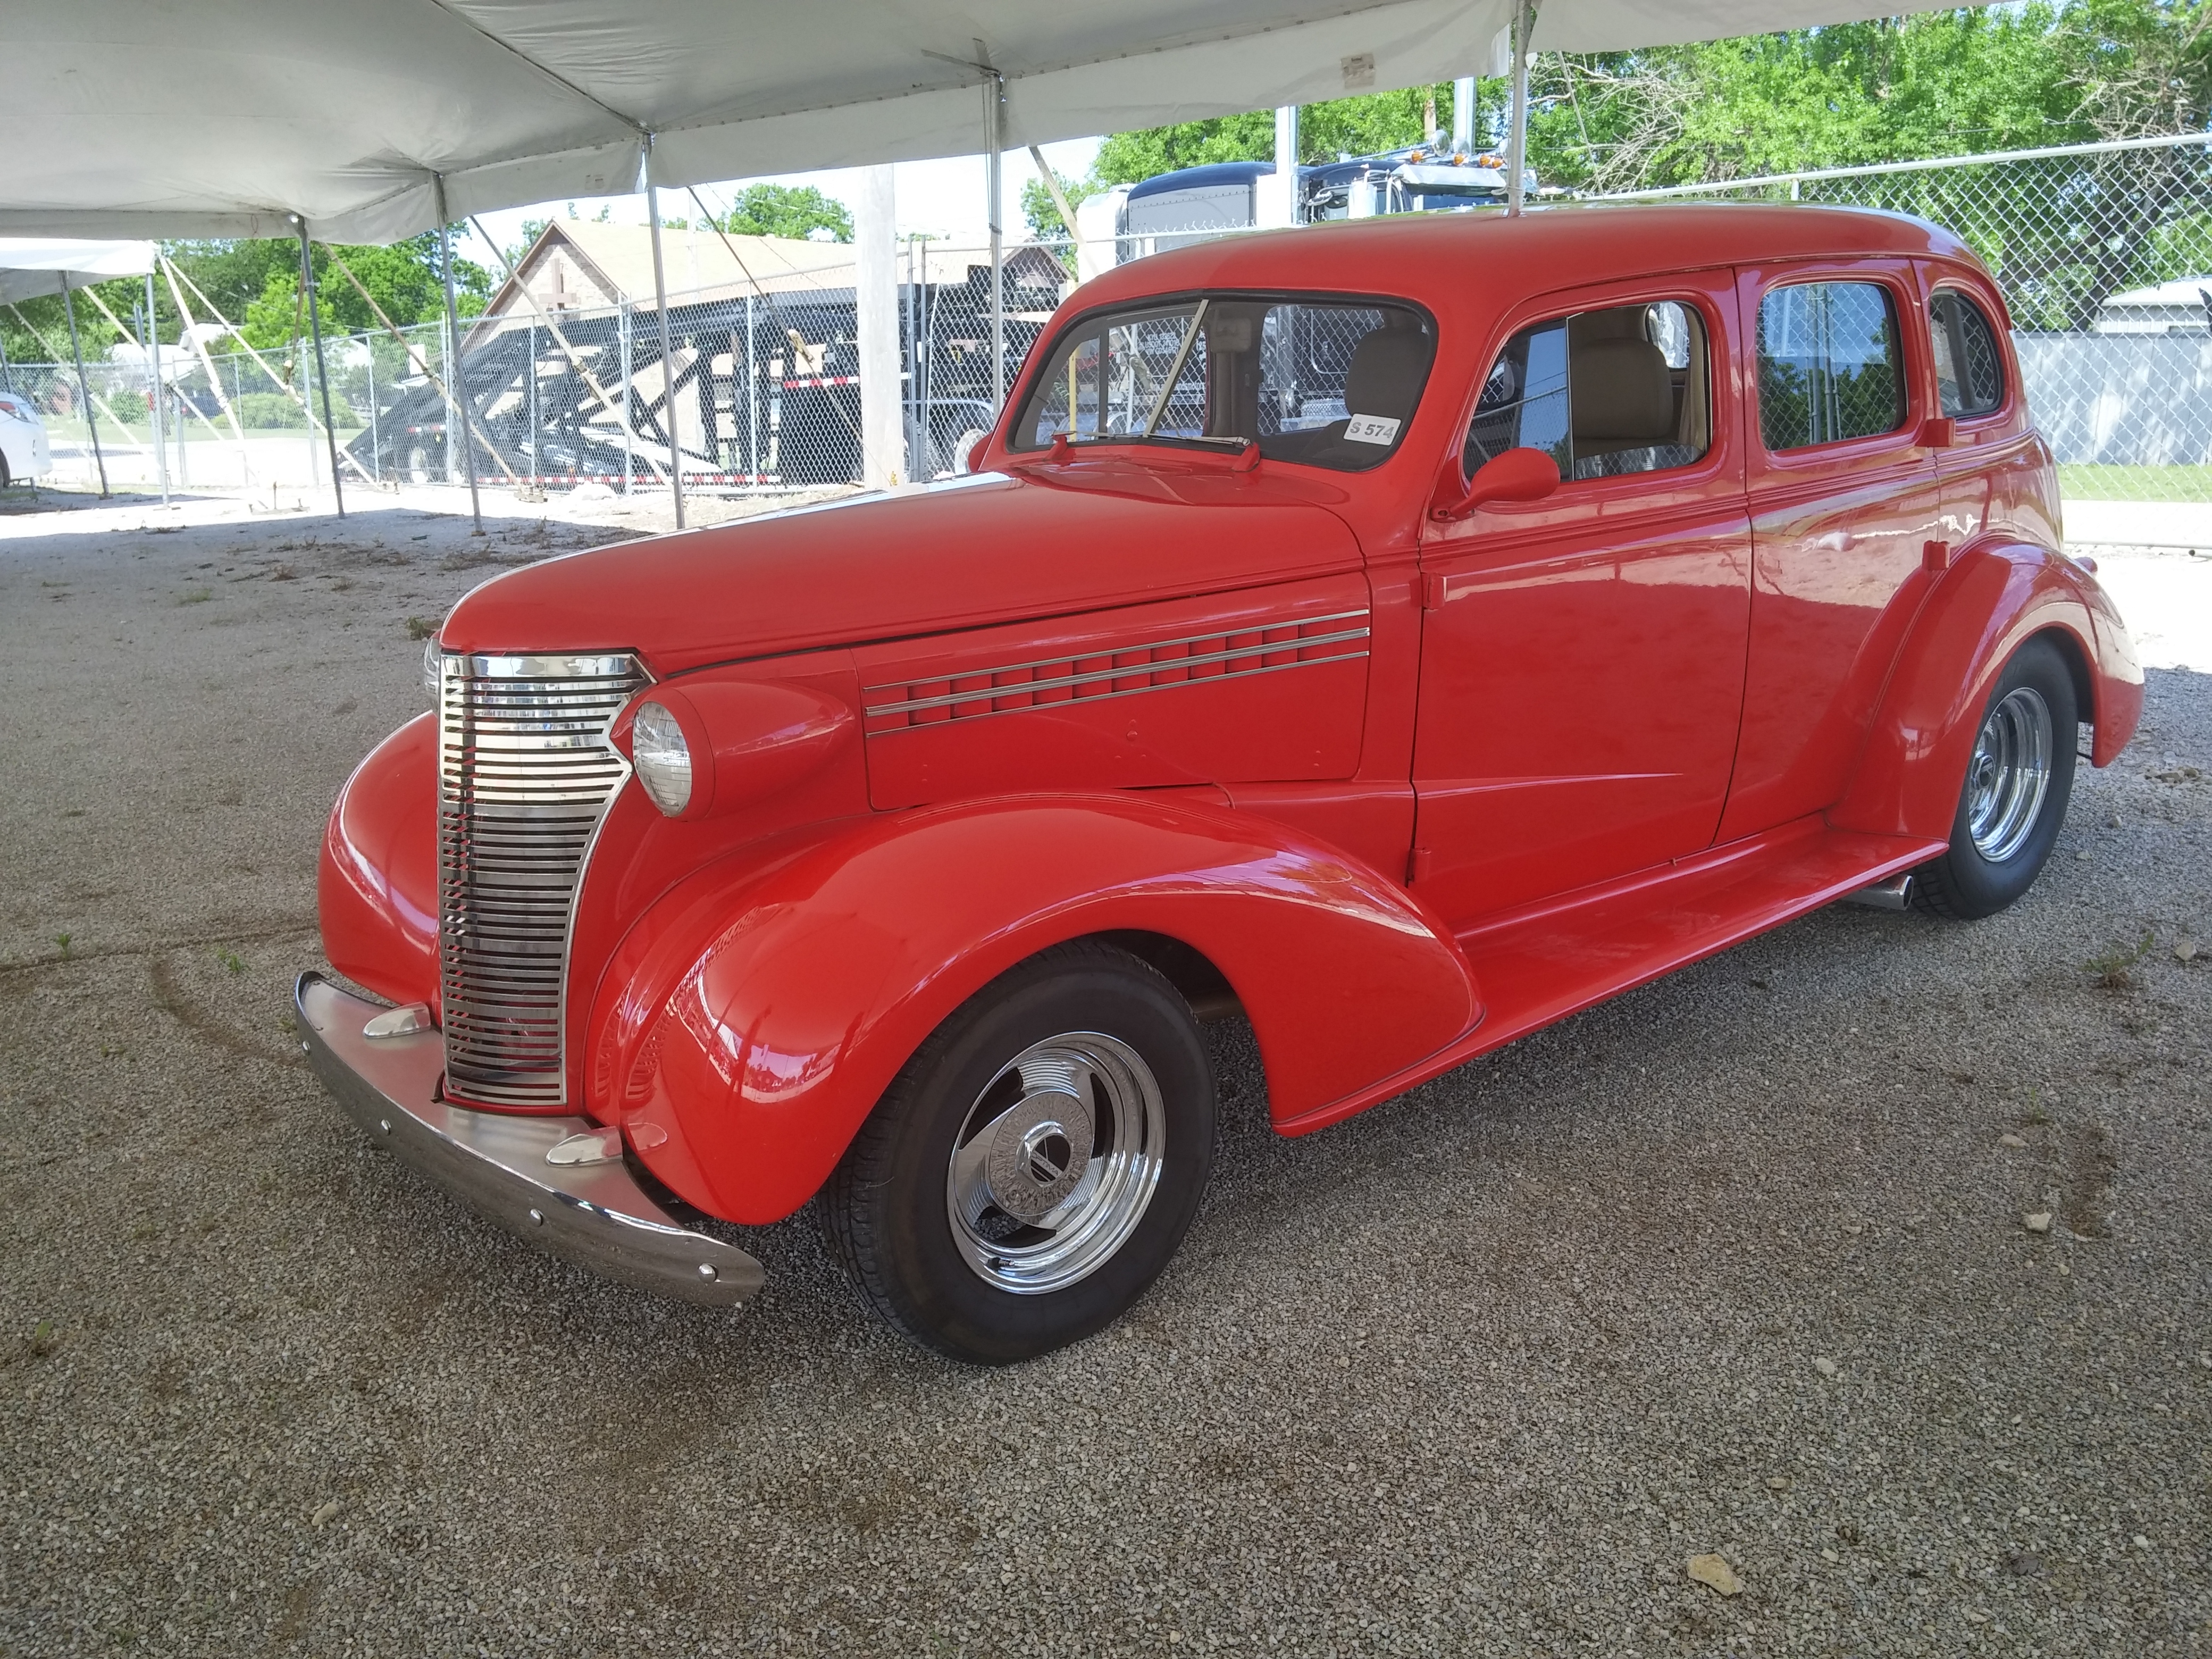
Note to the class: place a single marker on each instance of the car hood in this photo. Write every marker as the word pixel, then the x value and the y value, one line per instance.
pixel 997 547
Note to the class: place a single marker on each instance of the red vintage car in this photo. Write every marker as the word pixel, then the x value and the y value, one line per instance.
pixel 1405 633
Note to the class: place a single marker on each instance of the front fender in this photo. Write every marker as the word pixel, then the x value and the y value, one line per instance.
pixel 755 1015
pixel 376 885
pixel 1989 602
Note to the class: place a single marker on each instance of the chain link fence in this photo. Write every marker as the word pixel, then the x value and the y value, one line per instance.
pixel 2104 255
pixel 226 420
pixel 759 391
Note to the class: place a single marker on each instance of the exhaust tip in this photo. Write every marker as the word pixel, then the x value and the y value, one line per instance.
pixel 1894 894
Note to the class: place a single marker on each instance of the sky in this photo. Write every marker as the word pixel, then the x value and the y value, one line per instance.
pixel 943 197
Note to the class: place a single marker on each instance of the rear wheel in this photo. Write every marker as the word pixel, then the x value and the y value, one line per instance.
pixel 2018 781
pixel 1036 1162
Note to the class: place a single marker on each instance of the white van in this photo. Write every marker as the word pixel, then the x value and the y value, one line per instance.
pixel 23 453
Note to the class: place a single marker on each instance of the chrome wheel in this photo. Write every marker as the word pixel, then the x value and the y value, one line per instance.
pixel 2010 774
pixel 1056 1163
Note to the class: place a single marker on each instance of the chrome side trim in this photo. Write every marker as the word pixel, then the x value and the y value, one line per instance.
pixel 1222 633
pixel 1068 684
pixel 1062 682
pixel 594 1214
pixel 1133 691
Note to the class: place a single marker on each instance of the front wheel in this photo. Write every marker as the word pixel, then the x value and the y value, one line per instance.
pixel 2018 782
pixel 1036 1162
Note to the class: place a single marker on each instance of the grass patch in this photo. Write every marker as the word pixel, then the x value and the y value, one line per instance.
pixel 2083 481
pixel 2109 972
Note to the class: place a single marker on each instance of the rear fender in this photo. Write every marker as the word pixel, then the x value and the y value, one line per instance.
pixel 753 1018
pixel 1992 601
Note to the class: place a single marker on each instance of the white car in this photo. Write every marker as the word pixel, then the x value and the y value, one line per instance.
pixel 23 452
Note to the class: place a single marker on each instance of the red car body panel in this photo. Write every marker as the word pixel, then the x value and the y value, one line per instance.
pixel 377 883
pixel 831 575
pixel 759 1013
pixel 1412 787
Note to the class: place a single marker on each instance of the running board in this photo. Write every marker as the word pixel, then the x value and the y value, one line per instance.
pixel 1536 966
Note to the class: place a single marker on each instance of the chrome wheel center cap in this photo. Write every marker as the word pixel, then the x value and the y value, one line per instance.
pixel 1039 1150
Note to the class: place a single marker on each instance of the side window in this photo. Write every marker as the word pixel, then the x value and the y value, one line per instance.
pixel 1969 368
pixel 1829 366
pixel 1602 392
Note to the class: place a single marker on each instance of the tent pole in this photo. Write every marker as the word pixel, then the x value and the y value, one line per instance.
pixel 1516 141
pixel 875 298
pixel 214 379
pixel 157 391
pixel 8 374
pixel 322 368
pixel 260 362
pixel 84 387
pixel 459 392
pixel 667 357
pixel 995 94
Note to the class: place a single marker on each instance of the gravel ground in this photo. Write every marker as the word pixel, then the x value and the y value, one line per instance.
pixel 1737 1264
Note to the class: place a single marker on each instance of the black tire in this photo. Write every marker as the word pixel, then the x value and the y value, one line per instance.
pixel 1979 876
pixel 890 1209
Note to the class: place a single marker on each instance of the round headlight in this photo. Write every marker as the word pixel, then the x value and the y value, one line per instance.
pixel 664 759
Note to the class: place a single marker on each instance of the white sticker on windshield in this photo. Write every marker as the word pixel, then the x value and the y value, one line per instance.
pixel 1371 429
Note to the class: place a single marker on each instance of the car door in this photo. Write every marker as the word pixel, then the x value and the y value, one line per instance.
pixel 1991 473
pixel 1582 656
pixel 1844 501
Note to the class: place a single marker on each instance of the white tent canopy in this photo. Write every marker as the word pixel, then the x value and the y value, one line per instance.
pixel 30 268
pixel 141 118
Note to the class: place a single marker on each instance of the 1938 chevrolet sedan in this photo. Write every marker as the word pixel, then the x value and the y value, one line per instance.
pixel 1406 632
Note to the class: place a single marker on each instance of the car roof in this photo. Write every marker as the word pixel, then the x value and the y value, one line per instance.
pixel 1427 256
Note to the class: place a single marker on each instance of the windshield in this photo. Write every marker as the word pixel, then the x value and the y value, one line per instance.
pixel 1329 383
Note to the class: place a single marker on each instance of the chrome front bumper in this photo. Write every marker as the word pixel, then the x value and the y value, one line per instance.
pixel 595 1215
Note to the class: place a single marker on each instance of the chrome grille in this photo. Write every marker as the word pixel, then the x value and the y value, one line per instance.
pixel 524 774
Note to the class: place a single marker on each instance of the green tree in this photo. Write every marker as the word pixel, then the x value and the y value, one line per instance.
pixel 405 279
pixel 793 211
pixel 1042 213
pixel 1938 83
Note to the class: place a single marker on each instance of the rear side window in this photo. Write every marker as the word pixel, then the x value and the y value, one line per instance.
pixel 1604 393
pixel 1969 368
pixel 1829 366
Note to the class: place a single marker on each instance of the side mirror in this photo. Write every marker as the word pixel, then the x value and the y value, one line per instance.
pixel 1518 475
